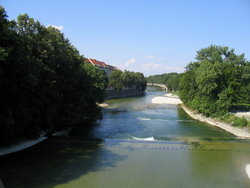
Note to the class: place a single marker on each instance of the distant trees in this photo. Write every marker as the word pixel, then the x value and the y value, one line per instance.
pixel 99 81
pixel 170 79
pixel 215 84
pixel 119 79
pixel 115 80
pixel 44 84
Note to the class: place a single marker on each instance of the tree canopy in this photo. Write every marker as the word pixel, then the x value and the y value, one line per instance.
pixel 44 83
pixel 216 83
pixel 169 79
pixel 128 79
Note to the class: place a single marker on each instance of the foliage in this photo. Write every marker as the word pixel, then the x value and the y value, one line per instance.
pixel 218 75
pixel 44 85
pixel 240 122
pixel 172 80
pixel 217 83
pixel 128 79
pixel 99 79
pixel 115 80
pixel 222 81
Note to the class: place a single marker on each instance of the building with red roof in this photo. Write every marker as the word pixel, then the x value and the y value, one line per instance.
pixel 101 65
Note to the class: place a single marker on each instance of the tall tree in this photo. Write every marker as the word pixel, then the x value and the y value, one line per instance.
pixel 44 86
pixel 217 80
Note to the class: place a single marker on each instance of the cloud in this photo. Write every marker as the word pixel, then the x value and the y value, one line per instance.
pixel 59 27
pixel 130 62
pixel 159 67
pixel 149 57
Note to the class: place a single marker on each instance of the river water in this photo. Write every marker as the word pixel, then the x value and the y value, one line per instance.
pixel 136 144
pixel 138 118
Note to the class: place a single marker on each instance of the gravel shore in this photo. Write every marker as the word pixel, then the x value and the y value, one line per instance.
pixel 175 100
pixel 167 99
pixel 240 132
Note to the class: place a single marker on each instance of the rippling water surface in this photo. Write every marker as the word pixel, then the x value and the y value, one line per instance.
pixel 138 117
pixel 137 144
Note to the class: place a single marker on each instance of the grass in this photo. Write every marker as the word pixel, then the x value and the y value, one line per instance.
pixel 235 121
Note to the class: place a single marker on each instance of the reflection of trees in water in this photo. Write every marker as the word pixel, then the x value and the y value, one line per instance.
pixel 56 161
pixel 200 130
pixel 182 114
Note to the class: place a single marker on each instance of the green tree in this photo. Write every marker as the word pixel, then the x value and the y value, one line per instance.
pixel 128 79
pixel 187 87
pixel 98 78
pixel 212 84
pixel 44 85
pixel 115 80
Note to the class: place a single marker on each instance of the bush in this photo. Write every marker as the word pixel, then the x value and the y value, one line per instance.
pixel 241 107
pixel 240 122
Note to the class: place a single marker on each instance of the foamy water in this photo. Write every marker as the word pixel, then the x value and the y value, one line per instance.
pixel 248 170
pixel 144 119
pixel 145 139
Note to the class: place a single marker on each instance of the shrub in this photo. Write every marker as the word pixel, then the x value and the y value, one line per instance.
pixel 240 122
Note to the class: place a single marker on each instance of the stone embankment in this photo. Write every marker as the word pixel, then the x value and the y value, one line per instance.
pixel 163 86
pixel 124 92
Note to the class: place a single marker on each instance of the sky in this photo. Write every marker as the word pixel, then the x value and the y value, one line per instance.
pixel 148 36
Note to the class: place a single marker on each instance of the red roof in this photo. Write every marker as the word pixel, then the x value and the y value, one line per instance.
pixel 95 62
pixel 100 64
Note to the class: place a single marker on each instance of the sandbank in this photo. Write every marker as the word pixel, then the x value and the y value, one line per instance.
pixel 166 100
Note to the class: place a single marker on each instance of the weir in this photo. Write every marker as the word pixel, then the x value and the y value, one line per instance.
pixel 73 163
pixel 136 144
pixel 158 85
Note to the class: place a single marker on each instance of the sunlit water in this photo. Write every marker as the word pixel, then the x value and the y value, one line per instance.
pixel 138 117
pixel 137 144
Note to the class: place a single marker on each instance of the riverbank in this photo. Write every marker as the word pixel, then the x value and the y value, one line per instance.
pixel 110 93
pixel 20 146
pixel 243 115
pixel 167 99
pixel 240 132
pixel 28 143
pixel 175 100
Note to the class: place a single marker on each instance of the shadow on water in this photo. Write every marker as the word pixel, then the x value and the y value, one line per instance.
pixel 56 161
pixel 198 154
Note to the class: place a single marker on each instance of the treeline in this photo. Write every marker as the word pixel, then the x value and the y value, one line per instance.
pixel 216 84
pixel 172 80
pixel 128 79
pixel 45 86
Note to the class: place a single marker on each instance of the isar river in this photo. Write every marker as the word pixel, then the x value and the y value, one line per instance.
pixel 137 144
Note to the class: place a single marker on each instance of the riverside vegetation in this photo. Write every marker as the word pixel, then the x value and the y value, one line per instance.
pixel 216 84
pixel 45 84
pixel 128 79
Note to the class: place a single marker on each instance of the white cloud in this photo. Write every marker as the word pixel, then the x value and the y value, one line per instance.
pixel 59 27
pixel 130 62
pixel 149 57
pixel 159 67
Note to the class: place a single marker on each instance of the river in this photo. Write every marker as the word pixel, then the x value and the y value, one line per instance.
pixel 136 144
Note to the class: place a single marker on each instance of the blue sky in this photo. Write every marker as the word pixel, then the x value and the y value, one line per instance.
pixel 149 36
